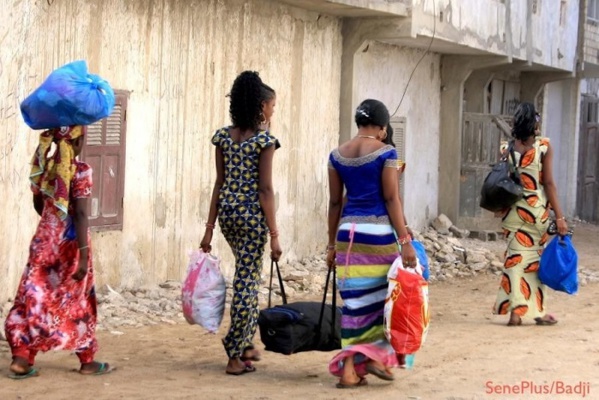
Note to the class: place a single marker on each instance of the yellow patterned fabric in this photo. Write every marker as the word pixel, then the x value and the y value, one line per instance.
pixel 52 176
pixel 525 228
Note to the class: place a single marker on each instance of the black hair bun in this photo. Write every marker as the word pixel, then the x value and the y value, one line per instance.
pixel 372 112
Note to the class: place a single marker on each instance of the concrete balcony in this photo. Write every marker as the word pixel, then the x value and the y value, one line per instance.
pixel 354 8
pixel 531 35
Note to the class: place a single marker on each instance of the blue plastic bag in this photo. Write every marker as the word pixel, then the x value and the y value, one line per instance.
pixel 69 96
pixel 422 258
pixel 559 265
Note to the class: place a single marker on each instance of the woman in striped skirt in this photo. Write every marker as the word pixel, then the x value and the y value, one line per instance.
pixel 363 244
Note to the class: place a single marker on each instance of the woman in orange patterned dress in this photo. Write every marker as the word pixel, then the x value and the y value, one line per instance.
pixel 55 305
pixel 525 224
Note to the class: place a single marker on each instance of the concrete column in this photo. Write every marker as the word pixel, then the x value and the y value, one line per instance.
pixel 356 33
pixel 562 125
pixel 454 72
pixel 353 40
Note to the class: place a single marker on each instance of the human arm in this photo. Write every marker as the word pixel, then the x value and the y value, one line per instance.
pixel 266 196
pixel 81 222
pixel 38 203
pixel 399 173
pixel 395 211
pixel 551 191
pixel 205 244
pixel 336 201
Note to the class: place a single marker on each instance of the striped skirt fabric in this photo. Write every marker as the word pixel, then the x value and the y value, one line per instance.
pixel 365 253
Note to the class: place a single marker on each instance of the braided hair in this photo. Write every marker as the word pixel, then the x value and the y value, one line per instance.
pixel 247 95
pixel 525 120
pixel 372 112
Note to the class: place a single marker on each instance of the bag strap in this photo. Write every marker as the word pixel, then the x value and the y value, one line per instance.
pixel 333 272
pixel 511 154
pixel 273 264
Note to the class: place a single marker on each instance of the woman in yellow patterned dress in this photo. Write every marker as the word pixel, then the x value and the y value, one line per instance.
pixel 525 224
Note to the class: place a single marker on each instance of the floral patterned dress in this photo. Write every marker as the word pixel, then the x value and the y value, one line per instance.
pixel 52 311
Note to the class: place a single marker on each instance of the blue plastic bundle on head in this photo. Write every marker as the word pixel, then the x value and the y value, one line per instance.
pixel 422 258
pixel 69 96
pixel 559 265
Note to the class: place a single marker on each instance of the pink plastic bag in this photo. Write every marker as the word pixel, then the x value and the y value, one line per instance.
pixel 204 291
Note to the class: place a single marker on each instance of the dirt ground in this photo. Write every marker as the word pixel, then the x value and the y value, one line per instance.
pixel 468 351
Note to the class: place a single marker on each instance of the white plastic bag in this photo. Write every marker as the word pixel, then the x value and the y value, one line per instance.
pixel 204 291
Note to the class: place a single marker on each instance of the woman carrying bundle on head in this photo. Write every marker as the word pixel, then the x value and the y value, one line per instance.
pixel 55 305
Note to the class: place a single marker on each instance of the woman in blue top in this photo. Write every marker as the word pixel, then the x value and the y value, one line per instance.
pixel 363 243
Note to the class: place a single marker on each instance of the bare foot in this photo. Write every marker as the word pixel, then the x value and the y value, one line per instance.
pixel 237 367
pixel 515 320
pixel 379 370
pixel 20 366
pixel 95 368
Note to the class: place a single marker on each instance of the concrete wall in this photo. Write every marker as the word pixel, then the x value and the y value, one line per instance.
pixel 178 58
pixel 381 72
pixel 561 119
pixel 545 34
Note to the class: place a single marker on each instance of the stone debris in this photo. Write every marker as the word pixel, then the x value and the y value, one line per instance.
pixel 451 256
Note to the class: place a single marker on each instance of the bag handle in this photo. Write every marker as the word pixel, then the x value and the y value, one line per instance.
pixel 274 263
pixel 333 272
pixel 510 148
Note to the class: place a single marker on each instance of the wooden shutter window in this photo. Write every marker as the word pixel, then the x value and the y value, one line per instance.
pixel 105 153
pixel 399 138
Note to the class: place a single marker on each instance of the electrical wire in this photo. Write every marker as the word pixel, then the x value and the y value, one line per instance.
pixel 430 44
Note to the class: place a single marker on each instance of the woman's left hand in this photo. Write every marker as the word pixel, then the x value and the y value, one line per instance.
pixel 562 227
pixel 81 270
pixel 408 255
pixel 331 255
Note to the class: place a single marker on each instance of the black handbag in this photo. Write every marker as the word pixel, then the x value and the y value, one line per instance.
pixel 502 187
pixel 301 326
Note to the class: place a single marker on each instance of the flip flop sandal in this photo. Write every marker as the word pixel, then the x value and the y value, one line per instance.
pixel 255 357
pixel 31 374
pixel 381 374
pixel 515 323
pixel 361 382
pixel 248 368
pixel 104 369
pixel 543 322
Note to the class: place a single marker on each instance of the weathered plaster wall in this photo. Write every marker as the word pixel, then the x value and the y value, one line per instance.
pixel 545 34
pixel 178 58
pixel 382 73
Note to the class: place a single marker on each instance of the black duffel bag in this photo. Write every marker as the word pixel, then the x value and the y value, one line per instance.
pixel 301 326
pixel 502 187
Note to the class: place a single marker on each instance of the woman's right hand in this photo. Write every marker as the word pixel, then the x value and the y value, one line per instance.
pixel 206 240
pixel 275 249
pixel 562 227
pixel 408 256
